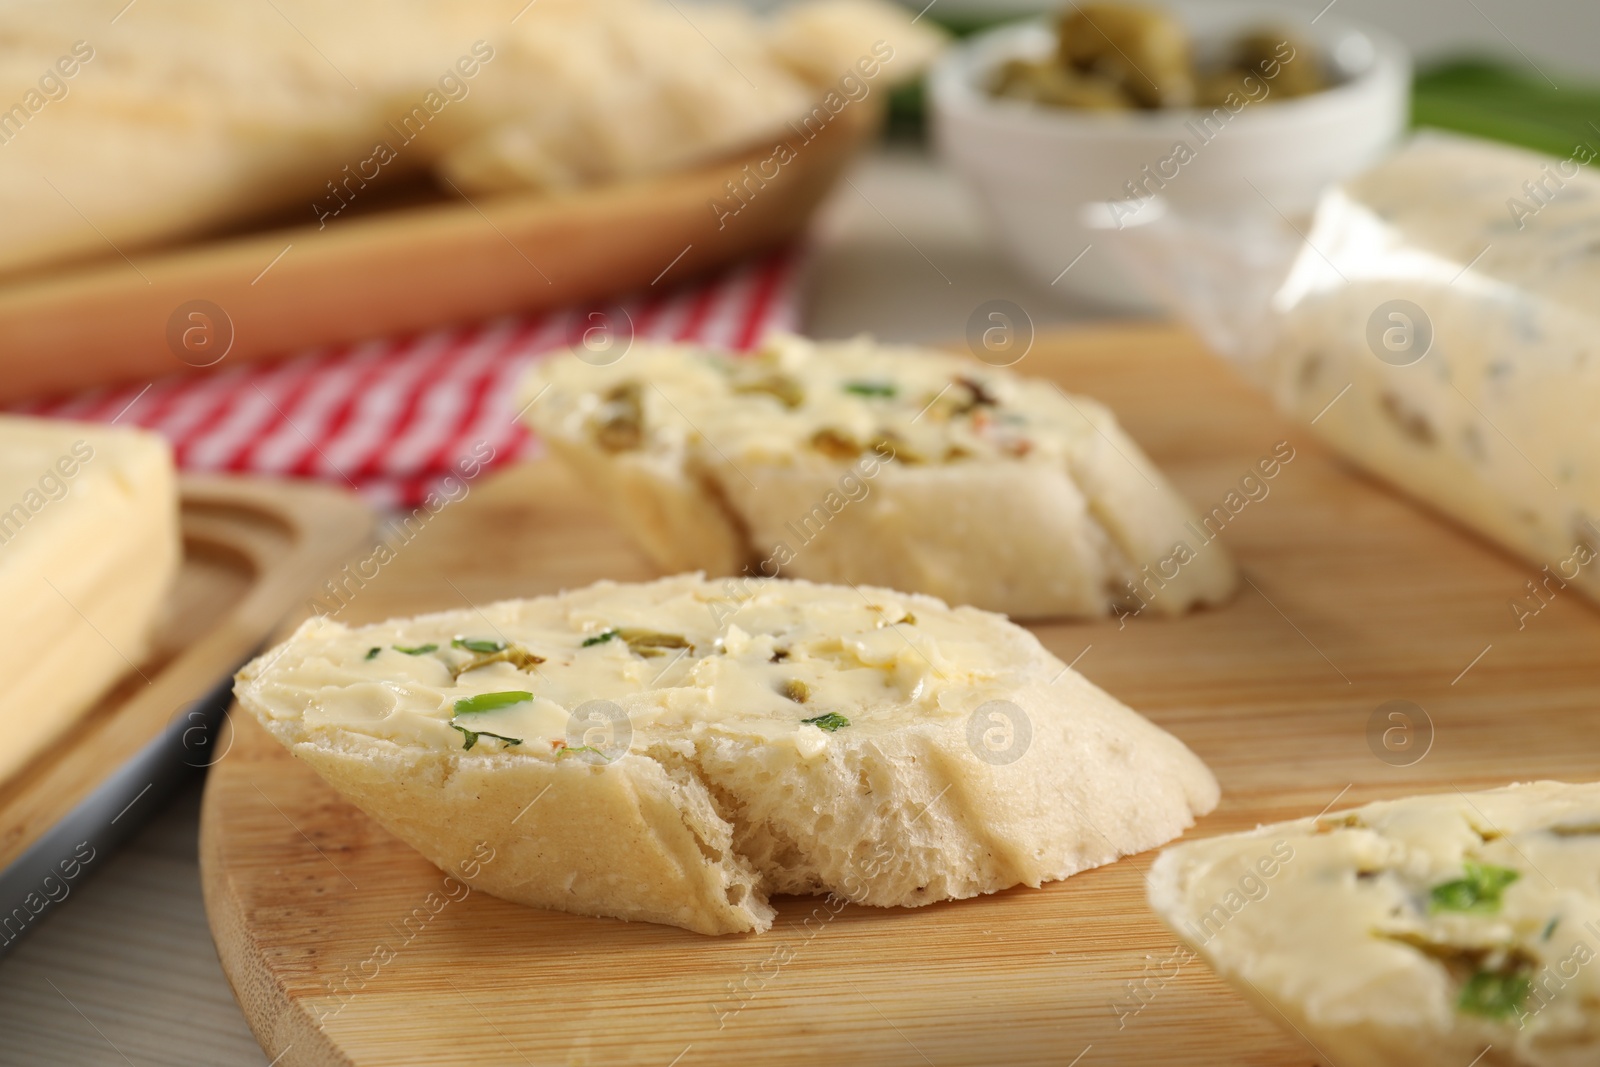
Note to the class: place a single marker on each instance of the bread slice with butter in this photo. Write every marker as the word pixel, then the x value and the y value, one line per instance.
pixel 853 462
pixel 88 548
pixel 675 753
pixel 1410 933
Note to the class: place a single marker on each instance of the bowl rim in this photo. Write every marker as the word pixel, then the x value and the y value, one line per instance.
pixel 952 85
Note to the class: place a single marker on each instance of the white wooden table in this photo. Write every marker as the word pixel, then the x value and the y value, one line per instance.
pixel 126 974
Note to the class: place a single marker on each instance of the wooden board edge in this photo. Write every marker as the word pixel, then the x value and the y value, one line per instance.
pixel 282 1026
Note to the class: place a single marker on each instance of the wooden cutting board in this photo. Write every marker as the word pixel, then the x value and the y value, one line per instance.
pixel 339 955
pixel 426 258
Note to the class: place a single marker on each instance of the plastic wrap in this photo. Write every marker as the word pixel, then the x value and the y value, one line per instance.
pixel 1437 322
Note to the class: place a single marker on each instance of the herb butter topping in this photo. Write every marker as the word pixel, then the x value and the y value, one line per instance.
pixel 1470 915
pixel 795 402
pixel 775 661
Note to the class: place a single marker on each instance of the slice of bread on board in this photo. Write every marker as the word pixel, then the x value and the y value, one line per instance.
pixel 853 462
pixel 678 751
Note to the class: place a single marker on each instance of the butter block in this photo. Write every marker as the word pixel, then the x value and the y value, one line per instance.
pixel 1442 330
pixel 88 548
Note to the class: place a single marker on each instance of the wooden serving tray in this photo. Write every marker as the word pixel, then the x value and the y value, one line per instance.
pixel 346 947
pixel 402 269
pixel 252 550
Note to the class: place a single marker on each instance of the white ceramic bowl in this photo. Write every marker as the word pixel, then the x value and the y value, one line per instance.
pixel 1052 180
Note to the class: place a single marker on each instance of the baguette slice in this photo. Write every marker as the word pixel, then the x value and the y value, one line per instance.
pixel 779 737
pixel 1410 933
pixel 850 462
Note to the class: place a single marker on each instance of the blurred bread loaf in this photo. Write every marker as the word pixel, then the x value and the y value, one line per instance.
pixel 178 116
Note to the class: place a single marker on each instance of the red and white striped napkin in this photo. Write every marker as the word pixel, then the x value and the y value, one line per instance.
pixel 390 417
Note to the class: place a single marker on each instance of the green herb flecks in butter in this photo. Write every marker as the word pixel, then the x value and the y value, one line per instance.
pixel 516 655
pixel 1494 994
pixel 829 722
pixel 645 643
pixel 883 389
pixel 372 653
pixel 649 643
pixel 478 644
pixel 491 701
pixel 1477 894
pixel 621 426
pixel 471 737
pixel 418 650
